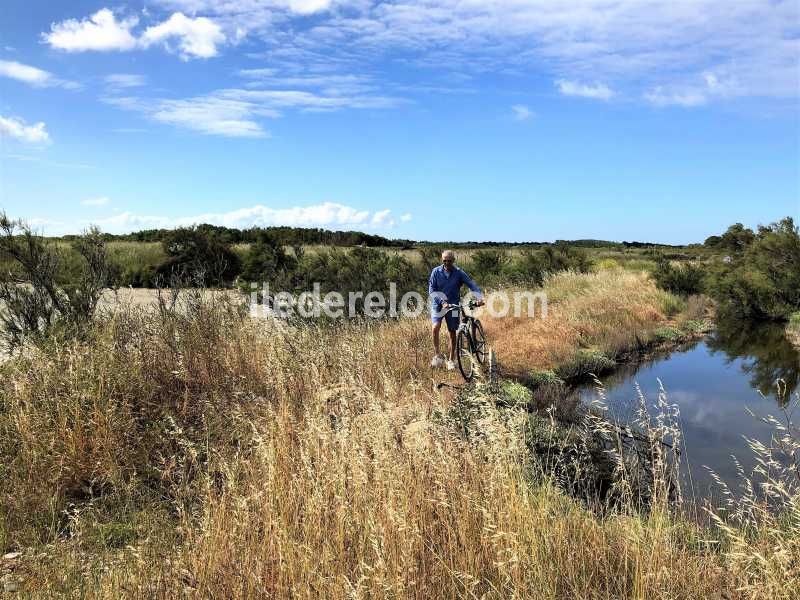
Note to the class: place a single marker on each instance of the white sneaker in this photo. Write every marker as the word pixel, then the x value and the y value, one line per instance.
pixel 437 362
pixel 451 366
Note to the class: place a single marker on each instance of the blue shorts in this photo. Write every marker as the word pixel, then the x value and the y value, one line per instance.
pixel 450 316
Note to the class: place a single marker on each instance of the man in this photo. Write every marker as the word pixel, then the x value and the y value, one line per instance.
pixel 444 288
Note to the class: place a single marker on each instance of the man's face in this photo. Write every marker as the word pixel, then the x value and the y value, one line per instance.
pixel 448 261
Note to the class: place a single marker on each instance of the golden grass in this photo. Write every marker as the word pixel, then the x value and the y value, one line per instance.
pixel 611 311
pixel 205 454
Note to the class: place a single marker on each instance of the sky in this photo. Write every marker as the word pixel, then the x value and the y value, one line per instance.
pixel 507 120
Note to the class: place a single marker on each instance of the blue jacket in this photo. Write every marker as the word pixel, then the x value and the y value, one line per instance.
pixel 450 285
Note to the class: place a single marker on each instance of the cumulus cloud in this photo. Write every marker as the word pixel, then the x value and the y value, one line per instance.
pixel 17 129
pixel 97 201
pixel 196 37
pixel 521 112
pixel 101 32
pixel 596 91
pixel 405 218
pixel 330 215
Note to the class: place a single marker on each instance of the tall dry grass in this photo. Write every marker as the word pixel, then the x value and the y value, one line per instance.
pixel 197 452
pixel 608 312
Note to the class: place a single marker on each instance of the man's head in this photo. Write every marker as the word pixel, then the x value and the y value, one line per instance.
pixel 448 259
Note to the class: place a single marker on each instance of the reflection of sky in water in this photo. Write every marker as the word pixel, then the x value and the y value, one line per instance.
pixel 712 392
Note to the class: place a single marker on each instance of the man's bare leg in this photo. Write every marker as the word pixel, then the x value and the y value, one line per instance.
pixel 436 328
pixel 452 344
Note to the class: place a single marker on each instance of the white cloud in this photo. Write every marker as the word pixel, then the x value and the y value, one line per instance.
pixel 330 215
pixel 236 112
pixel 25 73
pixel 658 96
pixel 33 75
pixel 197 38
pixel 382 218
pixel 17 129
pixel 697 92
pixel 125 80
pixel 521 112
pixel 98 201
pixel 46 162
pixel 405 218
pixel 308 7
pixel 597 91
pixel 212 116
pixel 101 32
pixel 630 45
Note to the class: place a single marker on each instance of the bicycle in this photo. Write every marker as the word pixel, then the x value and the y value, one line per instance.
pixel 471 344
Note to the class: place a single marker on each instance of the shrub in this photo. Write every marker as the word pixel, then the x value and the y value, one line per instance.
pixel 585 362
pixel 527 268
pixel 763 280
pixel 540 378
pixel 360 269
pixel 563 257
pixel 431 256
pixel 685 279
pixel 266 261
pixel 36 299
pixel 515 394
pixel 198 257
pixel 667 334
pixel 135 262
pixel 671 304
pixel 488 264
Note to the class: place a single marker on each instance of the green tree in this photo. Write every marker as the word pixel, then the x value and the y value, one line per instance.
pixel 763 280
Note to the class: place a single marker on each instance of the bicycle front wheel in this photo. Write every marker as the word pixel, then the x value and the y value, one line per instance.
pixel 464 355
pixel 479 338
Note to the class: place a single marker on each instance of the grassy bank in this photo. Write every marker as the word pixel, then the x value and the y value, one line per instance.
pixel 200 452
pixel 593 321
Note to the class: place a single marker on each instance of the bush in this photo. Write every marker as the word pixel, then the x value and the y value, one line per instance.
pixel 585 362
pixel 488 264
pixel 360 269
pixel 763 280
pixel 37 301
pixel 198 257
pixel 686 279
pixel 562 257
pixel 527 268
pixel 266 261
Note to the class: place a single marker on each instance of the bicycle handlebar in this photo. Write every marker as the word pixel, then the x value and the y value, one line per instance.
pixel 471 305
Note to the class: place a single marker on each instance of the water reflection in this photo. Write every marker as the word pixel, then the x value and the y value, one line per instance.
pixel 713 382
pixel 765 353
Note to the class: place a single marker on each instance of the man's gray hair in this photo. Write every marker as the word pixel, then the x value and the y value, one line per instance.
pixel 448 253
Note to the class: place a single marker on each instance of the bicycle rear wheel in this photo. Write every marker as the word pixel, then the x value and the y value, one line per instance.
pixel 464 355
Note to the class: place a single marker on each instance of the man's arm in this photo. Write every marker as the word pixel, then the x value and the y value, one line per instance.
pixel 467 280
pixel 433 288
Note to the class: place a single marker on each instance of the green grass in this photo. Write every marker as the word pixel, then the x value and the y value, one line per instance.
pixel 584 362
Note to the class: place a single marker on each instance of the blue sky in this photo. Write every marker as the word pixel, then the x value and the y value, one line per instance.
pixel 442 119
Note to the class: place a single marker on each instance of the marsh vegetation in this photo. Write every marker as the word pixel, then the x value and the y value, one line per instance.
pixel 184 448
